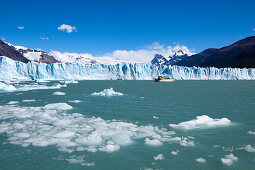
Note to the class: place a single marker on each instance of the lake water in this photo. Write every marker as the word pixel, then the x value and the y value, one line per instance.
pixel 135 125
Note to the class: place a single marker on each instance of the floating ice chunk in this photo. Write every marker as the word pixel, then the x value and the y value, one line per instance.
pixel 75 159
pixel 159 157
pixel 202 122
pixel 58 106
pixel 28 100
pixel 65 134
pixel 107 92
pixel 155 117
pixel 153 142
pixel 251 133
pixel 6 87
pixel 229 159
pixel 64 149
pixel 74 101
pixel 13 102
pixel 249 148
pixel 185 142
pixel 27 87
pixel 22 135
pixel 175 152
pixel 88 164
pixel 110 148
pixel 58 93
pixel 122 138
pixel 201 160
pixel 68 82
pixel 42 81
pixel 93 139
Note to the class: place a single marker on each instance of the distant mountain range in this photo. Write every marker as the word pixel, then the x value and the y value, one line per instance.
pixel 241 54
pixel 170 60
pixel 238 55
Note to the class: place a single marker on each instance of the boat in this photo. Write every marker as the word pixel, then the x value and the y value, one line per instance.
pixel 164 79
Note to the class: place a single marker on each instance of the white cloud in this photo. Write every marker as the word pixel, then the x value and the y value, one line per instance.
pixel 147 54
pixel 44 38
pixel 3 38
pixel 21 27
pixel 253 29
pixel 67 28
pixel 144 55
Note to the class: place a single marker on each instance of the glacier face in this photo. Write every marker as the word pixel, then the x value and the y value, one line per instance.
pixel 10 70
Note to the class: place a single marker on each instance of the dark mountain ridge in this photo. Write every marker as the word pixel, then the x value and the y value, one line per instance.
pixel 11 52
pixel 239 54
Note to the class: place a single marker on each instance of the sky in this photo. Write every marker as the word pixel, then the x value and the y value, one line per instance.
pixel 99 27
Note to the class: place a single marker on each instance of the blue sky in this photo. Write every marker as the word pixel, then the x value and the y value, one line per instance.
pixel 104 26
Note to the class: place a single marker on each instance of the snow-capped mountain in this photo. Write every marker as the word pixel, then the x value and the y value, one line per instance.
pixel 83 58
pixel 170 60
pixel 36 55
pixel 25 54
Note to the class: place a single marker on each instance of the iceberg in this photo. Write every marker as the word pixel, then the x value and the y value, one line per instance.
pixel 12 70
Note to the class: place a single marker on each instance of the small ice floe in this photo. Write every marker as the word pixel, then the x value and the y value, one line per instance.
pixel 249 148
pixel 42 81
pixel 202 122
pixel 107 93
pixel 58 93
pixel 155 117
pixel 6 87
pixel 69 81
pixel 183 141
pixel 175 152
pixel 229 159
pixel 201 160
pixel 109 147
pixel 13 102
pixel 28 101
pixel 153 142
pixel 27 87
pixel 58 106
pixel 251 133
pixel 159 157
pixel 74 101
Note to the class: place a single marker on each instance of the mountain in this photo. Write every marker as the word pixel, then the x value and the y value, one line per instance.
pixel 171 60
pixel 11 52
pixel 25 55
pixel 36 55
pixel 159 59
pixel 240 55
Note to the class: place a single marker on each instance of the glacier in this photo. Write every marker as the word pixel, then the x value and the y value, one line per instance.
pixel 15 70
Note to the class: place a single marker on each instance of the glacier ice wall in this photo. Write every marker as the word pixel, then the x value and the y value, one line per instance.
pixel 10 69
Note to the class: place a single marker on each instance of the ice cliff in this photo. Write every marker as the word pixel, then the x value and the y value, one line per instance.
pixel 10 69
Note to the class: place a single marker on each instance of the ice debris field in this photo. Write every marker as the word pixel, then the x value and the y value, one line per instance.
pixel 55 124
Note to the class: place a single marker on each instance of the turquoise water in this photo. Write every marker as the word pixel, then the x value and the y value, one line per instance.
pixel 144 104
